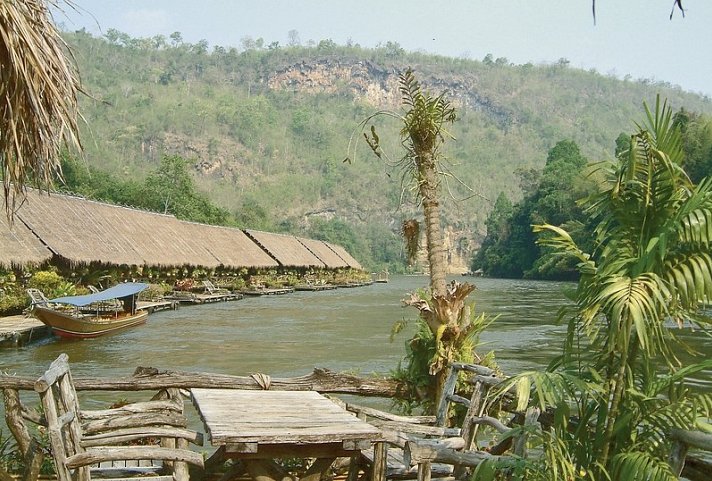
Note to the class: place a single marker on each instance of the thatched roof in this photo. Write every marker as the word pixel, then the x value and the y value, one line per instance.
pixel 84 231
pixel 287 249
pixel 231 247
pixel 324 253
pixel 18 246
pixel 341 252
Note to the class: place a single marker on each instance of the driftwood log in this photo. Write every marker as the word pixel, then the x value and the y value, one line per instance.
pixel 29 447
pixel 322 380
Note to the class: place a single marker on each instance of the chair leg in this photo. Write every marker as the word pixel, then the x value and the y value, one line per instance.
pixel 180 468
pixel 424 471
pixel 380 462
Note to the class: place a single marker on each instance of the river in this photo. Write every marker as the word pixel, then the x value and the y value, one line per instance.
pixel 289 335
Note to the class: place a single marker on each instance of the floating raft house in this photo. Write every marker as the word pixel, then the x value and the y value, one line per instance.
pixel 59 227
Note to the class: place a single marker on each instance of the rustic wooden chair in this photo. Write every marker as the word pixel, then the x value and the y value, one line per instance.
pixel 424 446
pixel 211 289
pixel 82 442
pixel 426 454
pixel 397 432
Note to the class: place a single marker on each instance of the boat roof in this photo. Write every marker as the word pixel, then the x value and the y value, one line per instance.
pixel 118 291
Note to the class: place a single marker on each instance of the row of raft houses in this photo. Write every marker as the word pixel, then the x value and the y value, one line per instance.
pixel 63 230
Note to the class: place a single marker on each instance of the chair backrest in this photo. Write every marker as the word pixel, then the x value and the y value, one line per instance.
pixel 209 286
pixel 37 297
pixel 61 408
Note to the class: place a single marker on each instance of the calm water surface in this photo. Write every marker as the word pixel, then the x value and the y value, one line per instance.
pixel 289 335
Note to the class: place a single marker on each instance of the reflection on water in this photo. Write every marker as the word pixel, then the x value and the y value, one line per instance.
pixel 344 330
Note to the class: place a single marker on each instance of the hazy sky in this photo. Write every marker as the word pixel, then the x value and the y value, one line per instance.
pixel 634 37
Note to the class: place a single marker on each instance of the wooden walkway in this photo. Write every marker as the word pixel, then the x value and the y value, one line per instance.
pixel 197 298
pixel 154 306
pixel 267 292
pixel 19 330
pixel 314 287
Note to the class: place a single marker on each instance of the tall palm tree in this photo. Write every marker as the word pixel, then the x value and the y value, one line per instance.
pixel 423 132
pixel 38 95
pixel 651 266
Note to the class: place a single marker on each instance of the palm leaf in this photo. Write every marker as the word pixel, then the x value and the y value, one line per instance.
pixel 640 466
pixel 38 111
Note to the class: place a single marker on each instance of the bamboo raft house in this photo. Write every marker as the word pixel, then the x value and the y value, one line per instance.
pixel 19 246
pixel 76 231
pixel 76 234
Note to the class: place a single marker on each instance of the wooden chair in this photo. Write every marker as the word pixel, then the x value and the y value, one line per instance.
pixel 424 447
pixel 211 289
pixel 426 454
pixel 83 441
pixel 398 431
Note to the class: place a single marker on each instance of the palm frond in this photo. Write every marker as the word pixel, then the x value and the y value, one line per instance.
pixel 640 466
pixel 39 97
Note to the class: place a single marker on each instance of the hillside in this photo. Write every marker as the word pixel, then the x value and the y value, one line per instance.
pixel 266 129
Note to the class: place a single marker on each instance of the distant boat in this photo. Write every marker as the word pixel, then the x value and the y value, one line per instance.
pixel 93 315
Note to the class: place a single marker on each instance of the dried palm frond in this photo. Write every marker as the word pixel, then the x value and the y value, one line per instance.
pixel 411 234
pixel 38 97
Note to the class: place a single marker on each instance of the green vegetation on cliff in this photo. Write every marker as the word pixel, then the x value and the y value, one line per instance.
pixel 265 128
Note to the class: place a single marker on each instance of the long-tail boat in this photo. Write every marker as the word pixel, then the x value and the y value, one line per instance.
pixel 93 315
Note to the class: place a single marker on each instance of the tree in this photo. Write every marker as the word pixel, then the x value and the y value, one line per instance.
pixel 549 196
pixel 39 109
pixel 171 190
pixel 696 133
pixel 294 40
pixel 612 403
pixel 423 132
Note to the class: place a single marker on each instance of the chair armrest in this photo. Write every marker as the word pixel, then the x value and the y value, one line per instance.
pixel 417 452
pixel 133 421
pixel 385 416
pixel 420 429
pixel 135 408
pixel 98 455
pixel 121 436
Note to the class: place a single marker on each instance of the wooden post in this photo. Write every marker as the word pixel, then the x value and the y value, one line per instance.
pixel 28 446
pixel 444 401
pixel 520 445
pixel 380 457
pixel 677 457
pixel 354 466
pixel 424 471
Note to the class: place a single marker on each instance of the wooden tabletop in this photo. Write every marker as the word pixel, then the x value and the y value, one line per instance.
pixel 247 419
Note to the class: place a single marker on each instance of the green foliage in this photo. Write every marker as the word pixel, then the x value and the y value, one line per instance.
pixel 510 250
pixel 170 189
pixel 266 126
pixel 48 282
pixel 618 388
pixel 696 133
pixel 427 347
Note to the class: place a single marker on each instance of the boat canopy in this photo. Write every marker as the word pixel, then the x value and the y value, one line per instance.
pixel 117 292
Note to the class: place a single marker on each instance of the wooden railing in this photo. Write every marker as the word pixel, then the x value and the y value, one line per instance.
pixel 18 416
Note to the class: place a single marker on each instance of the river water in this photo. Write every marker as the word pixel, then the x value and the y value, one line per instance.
pixel 289 335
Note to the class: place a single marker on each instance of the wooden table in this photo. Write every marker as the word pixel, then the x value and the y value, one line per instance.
pixel 259 426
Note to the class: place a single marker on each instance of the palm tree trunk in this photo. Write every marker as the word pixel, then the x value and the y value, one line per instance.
pixel 617 396
pixel 428 186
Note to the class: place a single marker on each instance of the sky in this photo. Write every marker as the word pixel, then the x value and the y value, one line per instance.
pixel 630 37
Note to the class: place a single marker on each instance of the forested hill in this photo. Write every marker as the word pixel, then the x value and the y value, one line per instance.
pixel 266 128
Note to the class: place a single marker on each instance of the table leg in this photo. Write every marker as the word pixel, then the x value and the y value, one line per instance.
pixel 317 469
pixel 354 466
pixel 378 470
